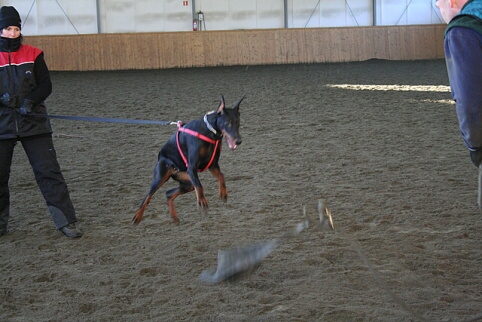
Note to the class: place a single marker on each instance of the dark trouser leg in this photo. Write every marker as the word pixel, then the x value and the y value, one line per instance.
pixel 43 159
pixel 6 153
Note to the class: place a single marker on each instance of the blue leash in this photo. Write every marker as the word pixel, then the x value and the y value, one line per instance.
pixel 106 119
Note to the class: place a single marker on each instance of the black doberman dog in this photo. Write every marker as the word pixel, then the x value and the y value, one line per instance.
pixel 195 147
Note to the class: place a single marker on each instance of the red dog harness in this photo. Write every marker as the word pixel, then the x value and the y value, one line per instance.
pixel 199 136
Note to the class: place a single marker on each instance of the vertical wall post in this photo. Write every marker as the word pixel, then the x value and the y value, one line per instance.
pixel 194 15
pixel 286 13
pixel 374 12
pixel 97 5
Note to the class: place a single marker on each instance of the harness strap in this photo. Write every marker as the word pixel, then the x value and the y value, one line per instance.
pixel 194 133
pixel 199 136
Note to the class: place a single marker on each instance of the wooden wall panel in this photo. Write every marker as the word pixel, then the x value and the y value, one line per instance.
pixel 239 47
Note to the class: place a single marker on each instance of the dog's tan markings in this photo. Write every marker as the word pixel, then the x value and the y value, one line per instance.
pixel 223 192
pixel 202 202
pixel 139 214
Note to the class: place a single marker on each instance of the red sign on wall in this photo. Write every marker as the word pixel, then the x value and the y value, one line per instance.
pixel 185 3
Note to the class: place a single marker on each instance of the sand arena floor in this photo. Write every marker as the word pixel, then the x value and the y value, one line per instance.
pixel 378 140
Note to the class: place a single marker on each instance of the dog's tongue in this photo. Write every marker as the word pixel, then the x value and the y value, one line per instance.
pixel 231 144
pixel 229 140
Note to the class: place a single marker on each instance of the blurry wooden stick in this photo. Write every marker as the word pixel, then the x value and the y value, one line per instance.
pixel 239 260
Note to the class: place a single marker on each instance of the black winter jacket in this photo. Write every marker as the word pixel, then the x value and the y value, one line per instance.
pixel 23 75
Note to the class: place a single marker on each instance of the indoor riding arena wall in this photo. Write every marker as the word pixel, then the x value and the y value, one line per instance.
pixel 239 47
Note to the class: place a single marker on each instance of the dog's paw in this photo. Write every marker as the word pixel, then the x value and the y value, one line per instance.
pixel 223 194
pixel 175 220
pixel 202 204
pixel 223 197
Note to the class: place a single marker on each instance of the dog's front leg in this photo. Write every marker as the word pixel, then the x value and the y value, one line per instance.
pixel 202 202
pixel 223 192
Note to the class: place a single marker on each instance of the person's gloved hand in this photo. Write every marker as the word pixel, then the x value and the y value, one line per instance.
pixel 7 100
pixel 26 107
pixel 476 157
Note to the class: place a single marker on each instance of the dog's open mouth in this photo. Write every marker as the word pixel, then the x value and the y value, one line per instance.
pixel 230 141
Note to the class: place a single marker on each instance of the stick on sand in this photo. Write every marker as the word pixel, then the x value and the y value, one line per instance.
pixel 242 260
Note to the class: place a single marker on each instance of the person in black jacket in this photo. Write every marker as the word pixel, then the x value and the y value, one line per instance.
pixel 25 84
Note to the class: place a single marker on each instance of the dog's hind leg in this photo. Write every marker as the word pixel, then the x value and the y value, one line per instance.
pixel 185 186
pixel 162 172
pixel 223 192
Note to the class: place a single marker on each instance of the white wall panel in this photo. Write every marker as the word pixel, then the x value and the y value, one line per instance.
pixel 241 14
pixel 144 16
pixel 407 12
pixel 359 13
pixel 246 14
pixel 326 13
pixel 50 17
pixel 149 15
pixel 45 17
pixel 117 16
pixel 176 16
pixel 269 14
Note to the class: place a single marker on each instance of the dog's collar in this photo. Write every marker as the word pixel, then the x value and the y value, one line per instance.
pixel 210 127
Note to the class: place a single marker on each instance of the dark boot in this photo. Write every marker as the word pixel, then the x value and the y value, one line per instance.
pixel 62 223
pixel 71 230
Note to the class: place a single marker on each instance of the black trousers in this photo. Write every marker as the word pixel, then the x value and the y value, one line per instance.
pixel 43 159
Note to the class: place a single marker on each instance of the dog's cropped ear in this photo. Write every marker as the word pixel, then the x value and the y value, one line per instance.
pixel 221 106
pixel 239 102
